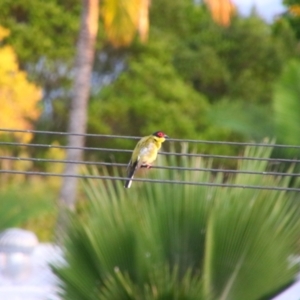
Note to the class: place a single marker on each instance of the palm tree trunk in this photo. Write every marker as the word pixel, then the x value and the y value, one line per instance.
pixel 78 110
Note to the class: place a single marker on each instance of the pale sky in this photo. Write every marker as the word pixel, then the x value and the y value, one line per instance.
pixel 266 8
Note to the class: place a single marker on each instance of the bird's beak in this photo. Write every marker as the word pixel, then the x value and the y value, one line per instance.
pixel 166 136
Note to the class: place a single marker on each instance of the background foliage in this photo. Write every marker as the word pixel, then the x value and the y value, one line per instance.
pixel 194 79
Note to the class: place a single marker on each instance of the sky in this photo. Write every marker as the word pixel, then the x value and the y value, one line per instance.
pixel 268 9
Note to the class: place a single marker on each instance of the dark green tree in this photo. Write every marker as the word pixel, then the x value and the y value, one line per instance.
pixel 292 15
pixel 240 61
pixel 41 29
pixel 149 96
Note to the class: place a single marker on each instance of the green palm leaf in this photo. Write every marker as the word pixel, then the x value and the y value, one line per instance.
pixel 165 241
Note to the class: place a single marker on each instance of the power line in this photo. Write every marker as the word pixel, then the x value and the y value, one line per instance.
pixel 178 168
pixel 112 150
pixel 256 187
pixel 62 147
pixel 137 137
pixel 169 168
pixel 70 133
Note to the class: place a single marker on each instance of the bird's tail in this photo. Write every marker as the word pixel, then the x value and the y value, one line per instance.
pixel 130 174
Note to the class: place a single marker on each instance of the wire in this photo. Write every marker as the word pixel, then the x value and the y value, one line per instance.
pixel 256 187
pixel 111 150
pixel 176 168
pixel 63 147
pixel 70 133
pixel 94 163
pixel 137 137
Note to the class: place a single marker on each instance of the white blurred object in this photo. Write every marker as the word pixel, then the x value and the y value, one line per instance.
pixel 16 247
pixel 25 272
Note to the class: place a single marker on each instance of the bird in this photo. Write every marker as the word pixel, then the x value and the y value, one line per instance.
pixel 144 154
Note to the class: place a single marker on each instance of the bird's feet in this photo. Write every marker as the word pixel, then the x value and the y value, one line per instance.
pixel 148 166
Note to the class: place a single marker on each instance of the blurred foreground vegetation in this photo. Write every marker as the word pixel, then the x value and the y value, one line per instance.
pixel 165 241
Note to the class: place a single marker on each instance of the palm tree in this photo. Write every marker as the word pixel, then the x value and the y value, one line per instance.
pixel 163 241
pixel 121 20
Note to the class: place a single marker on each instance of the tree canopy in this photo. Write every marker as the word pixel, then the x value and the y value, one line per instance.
pixel 41 29
pixel 198 80
pixel 190 66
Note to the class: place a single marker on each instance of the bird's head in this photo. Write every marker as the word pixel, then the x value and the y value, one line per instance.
pixel 160 135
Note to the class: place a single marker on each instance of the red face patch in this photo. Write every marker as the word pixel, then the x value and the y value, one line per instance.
pixel 159 134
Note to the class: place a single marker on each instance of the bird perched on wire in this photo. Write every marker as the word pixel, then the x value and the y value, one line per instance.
pixel 144 154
